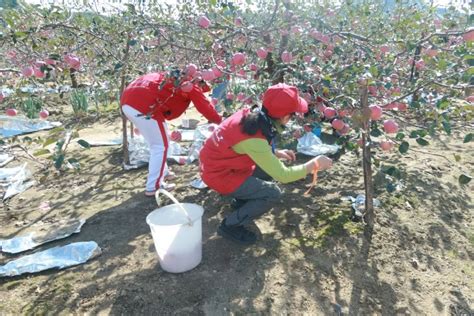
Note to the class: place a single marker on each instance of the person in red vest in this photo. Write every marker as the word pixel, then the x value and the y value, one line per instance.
pixel 239 160
pixel 149 101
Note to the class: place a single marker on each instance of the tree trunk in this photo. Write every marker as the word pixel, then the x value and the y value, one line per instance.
pixel 72 74
pixel 126 157
pixel 367 164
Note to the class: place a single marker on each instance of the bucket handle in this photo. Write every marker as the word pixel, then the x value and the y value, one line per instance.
pixel 172 198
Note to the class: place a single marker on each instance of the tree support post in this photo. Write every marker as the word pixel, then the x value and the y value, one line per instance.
pixel 367 161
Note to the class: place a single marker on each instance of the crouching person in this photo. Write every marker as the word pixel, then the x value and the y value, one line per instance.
pixel 239 160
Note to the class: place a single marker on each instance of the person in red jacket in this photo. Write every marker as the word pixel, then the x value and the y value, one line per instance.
pixel 152 99
pixel 239 160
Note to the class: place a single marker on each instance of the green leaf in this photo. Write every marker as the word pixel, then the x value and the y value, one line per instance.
pixel 49 141
pixel 390 187
pixel 464 179
pixel 390 170
pixel 375 132
pixel 446 127
pixel 400 136
pixel 58 162
pixel 84 144
pixel 422 141
pixel 20 34
pixel 442 64
pixel 413 134
pixel 132 42
pixel 118 66
pixel 468 138
pixel 422 133
pixel 41 152
pixel 376 162
pixel 403 148
pixel 374 71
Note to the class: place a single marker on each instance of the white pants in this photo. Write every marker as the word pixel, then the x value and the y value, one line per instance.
pixel 157 136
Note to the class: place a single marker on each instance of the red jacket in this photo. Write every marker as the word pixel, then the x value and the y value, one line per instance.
pixel 144 95
pixel 222 169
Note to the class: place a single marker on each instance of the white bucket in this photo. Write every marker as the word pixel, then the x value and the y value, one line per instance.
pixel 177 234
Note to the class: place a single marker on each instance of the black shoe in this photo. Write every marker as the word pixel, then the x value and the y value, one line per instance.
pixel 236 203
pixel 238 234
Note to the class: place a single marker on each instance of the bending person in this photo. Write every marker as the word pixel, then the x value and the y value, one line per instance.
pixel 148 102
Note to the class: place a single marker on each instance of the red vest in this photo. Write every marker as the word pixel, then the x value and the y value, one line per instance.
pixel 144 95
pixel 222 169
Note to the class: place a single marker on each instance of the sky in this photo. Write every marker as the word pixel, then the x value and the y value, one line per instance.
pixel 115 3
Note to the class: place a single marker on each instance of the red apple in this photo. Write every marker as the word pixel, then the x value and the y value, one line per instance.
pixel 337 124
pixel 286 57
pixel 402 106
pixel 238 21
pixel 262 53
pixel 329 113
pixel 375 112
pixel 217 72
pixel 469 36
pixel 238 59
pixel 43 114
pixel 390 126
pixel 384 49
pixel 27 71
pixel 11 112
pixel 386 145
pixel 204 22
pixel 175 136
pixel 191 69
pixel 208 75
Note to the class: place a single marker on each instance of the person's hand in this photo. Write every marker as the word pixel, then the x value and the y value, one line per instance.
pixel 286 154
pixel 322 162
pixel 175 136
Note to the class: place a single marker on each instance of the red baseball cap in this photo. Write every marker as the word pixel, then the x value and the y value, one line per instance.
pixel 282 99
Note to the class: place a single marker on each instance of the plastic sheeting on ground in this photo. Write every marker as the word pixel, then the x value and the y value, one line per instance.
pixel 57 257
pixel 12 126
pixel 358 204
pixel 51 232
pixel 104 142
pixel 311 145
pixel 139 153
pixel 14 180
pixel 5 159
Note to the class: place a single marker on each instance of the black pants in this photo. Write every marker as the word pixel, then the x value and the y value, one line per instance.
pixel 258 194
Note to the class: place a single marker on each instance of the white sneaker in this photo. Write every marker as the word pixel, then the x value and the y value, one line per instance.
pixel 168 186
pixel 170 176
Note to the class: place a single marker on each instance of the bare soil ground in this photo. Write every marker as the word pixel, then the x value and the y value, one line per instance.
pixel 311 259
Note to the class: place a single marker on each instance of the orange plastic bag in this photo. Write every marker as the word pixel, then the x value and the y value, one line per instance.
pixel 315 178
